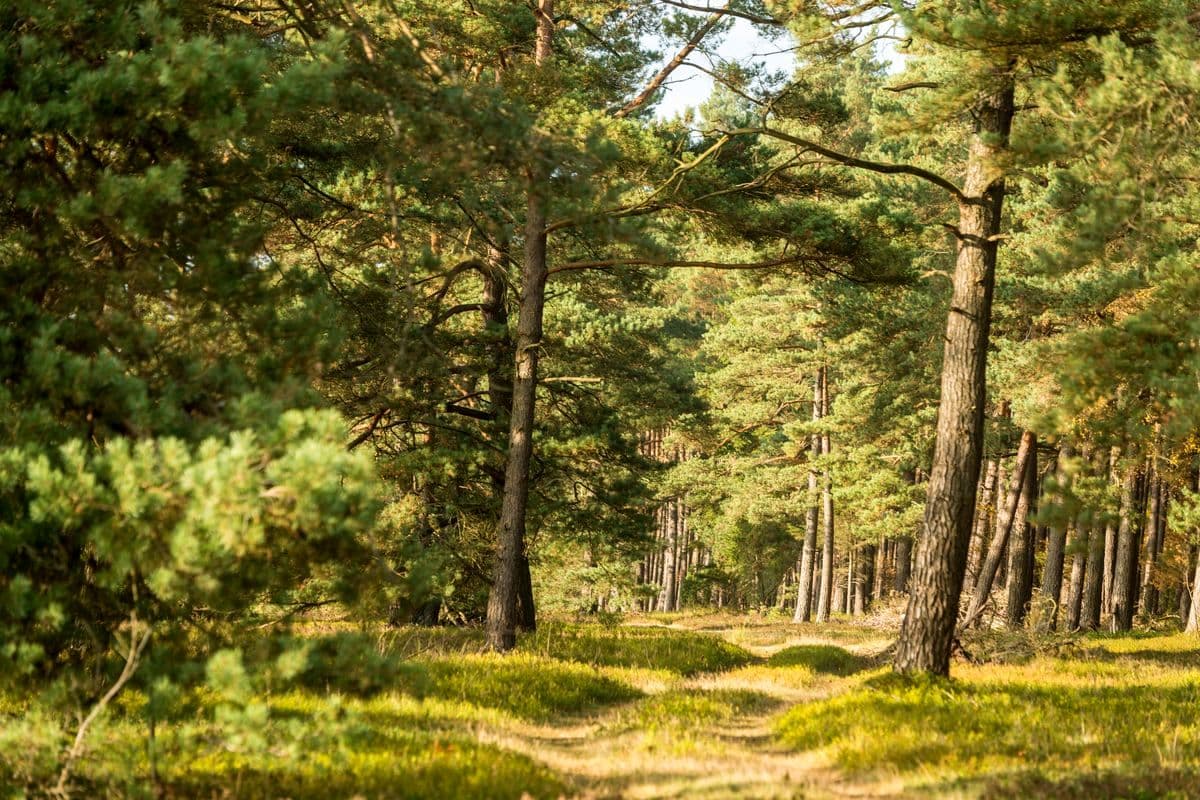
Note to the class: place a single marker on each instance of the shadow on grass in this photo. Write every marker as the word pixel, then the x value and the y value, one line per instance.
pixel 822 659
pixel 1138 784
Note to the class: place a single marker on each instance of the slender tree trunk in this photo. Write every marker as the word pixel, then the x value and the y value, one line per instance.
pixel 1123 572
pixel 927 633
pixel 1093 580
pixel 824 599
pixel 1110 546
pixel 984 518
pixel 1005 516
pixel 1149 593
pixel 666 600
pixel 1079 544
pixel 1193 597
pixel 904 546
pixel 1056 545
pixel 808 555
pixel 502 600
pixel 1020 549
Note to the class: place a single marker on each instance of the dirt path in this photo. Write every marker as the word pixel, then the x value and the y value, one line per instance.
pixel 736 756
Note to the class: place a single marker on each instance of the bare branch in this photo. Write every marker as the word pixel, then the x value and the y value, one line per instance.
pixel 657 81
pixel 883 168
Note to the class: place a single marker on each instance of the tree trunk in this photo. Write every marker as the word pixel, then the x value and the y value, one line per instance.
pixel 825 597
pixel 1004 522
pixel 666 601
pixel 1079 543
pixel 808 556
pixel 1110 546
pixel 1193 617
pixel 510 535
pixel 1093 580
pixel 904 546
pixel 1056 546
pixel 927 633
pixel 1021 548
pixel 1123 571
pixel 1149 592
pixel 985 513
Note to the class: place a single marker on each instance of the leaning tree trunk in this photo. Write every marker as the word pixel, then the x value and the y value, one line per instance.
pixel 510 535
pixel 1020 550
pixel 1005 516
pixel 1123 570
pixel 825 598
pixel 808 555
pixel 927 633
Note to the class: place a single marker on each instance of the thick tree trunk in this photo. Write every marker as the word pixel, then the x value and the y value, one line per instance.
pixel 808 556
pixel 510 535
pixel 927 633
pixel 1005 516
pixel 825 598
pixel 1056 546
pixel 1020 549
pixel 864 579
pixel 1124 570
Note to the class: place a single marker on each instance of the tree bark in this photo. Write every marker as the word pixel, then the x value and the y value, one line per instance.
pixel 927 633
pixel 904 546
pixel 1078 544
pixel 1056 545
pixel 1093 581
pixel 808 556
pixel 1004 521
pixel 1123 570
pixel 1149 592
pixel 1020 549
pixel 510 536
pixel 984 517
pixel 1193 601
pixel 825 598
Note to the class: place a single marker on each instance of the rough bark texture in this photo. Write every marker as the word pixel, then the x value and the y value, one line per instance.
pixel 510 535
pixel 1004 522
pixel 808 556
pixel 927 633
pixel 1123 569
pixel 1056 545
pixel 1021 545
pixel 825 595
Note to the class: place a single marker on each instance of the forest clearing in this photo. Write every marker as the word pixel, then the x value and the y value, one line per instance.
pixel 599 398
pixel 695 705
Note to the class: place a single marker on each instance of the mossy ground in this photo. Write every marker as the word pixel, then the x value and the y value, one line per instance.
pixel 699 705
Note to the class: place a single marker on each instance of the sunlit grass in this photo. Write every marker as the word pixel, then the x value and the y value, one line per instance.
pixel 1116 713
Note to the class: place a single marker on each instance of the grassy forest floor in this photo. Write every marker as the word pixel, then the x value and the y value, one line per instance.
pixel 687 706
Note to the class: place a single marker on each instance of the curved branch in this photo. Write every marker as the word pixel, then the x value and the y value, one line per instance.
pixel 657 81
pixel 881 167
